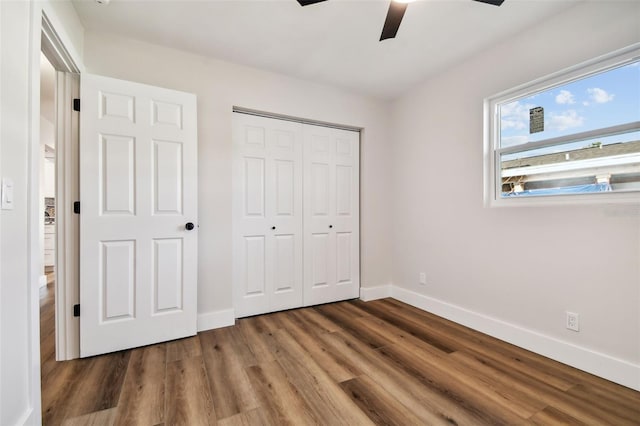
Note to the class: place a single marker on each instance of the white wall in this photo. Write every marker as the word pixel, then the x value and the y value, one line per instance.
pixel 19 236
pixel 523 266
pixel 14 289
pixel 220 86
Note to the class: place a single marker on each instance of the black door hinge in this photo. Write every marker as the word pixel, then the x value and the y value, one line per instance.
pixel 76 207
pixel 76 310
pixel 76 104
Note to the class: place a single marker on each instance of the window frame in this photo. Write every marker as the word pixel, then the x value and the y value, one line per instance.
pixel 492 150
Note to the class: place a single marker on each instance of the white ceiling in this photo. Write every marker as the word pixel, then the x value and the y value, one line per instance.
pixel 334 42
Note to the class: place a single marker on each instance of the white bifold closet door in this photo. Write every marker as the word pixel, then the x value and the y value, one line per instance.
pixel 267 215
pixel 295 214
pixel 331 215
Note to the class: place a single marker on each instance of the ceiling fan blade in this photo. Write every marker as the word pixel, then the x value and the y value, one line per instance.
pixel 392 22
pixel 493 2
pixel 308 2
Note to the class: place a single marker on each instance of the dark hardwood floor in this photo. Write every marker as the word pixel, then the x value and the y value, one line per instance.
pixel 348 363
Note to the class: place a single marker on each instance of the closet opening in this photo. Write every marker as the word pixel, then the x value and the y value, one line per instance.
pixel 296 221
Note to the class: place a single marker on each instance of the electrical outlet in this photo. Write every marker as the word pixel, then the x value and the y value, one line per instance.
pixel 573 321
pixel 423 278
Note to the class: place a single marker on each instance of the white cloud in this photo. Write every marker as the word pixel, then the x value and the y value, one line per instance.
pixel 600 96
pixel 514 116
pixel 564 120
pixel 512 124
pixel 565 97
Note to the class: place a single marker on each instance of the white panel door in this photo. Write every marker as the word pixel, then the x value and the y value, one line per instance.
pixel 138 191
pixel 267 214
pixel 331 218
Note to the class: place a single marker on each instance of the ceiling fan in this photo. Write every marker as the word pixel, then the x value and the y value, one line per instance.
pixel 395 14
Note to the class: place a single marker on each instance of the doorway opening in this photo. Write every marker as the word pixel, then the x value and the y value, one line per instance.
pixel 47 203
pixel 59 231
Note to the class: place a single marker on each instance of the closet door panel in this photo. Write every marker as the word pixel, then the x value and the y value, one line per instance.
pixel 320 254
pixel 284 201
pixel 331 223
pixel 253 187
pixel 320 188
pixel 285 263
pixel 344 258
pixel 267 207
pixel 284 187
pixel 254 266
pixel 250 239
pixel 344 197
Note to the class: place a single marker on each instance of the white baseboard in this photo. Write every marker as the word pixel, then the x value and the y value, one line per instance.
pixel 42 281
pixel 216 319
pixel 599 364
pixel 373 293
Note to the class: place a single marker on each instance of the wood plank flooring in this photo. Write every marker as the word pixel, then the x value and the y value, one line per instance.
pixel 347 363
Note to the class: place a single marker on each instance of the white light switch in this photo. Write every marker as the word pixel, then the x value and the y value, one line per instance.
pixel 7 194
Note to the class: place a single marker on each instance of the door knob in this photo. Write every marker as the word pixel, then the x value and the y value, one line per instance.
pixel 330 226
pixel 273 227
pixel 189 226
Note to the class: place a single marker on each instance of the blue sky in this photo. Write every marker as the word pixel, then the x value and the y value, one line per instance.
pixel 601 100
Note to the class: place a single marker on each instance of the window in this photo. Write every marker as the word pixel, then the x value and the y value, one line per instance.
pixel 576 133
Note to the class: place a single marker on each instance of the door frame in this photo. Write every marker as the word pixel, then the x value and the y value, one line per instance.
pixel 67 328
pixel 45 22
pixel 48 36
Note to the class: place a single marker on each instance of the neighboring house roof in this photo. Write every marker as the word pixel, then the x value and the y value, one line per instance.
pixel 618 158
